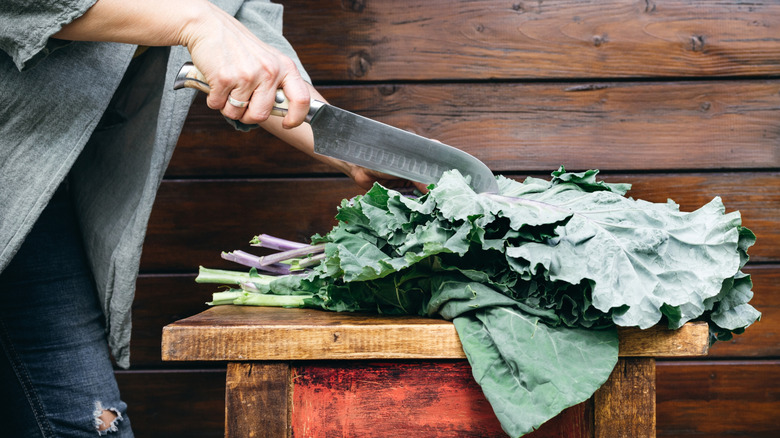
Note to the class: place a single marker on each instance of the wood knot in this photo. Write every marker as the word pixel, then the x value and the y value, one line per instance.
pixel 387 90
pixel 359 64
pixel 353 5
pixel 697 43
pixel 523 7
pixel 598 40
pixel 705 106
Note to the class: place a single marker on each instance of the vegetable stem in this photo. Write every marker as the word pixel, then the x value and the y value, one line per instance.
pixel 251 260
pixel 271 300
pixel 271 242
pixel 221 276
pixel 291 254
pixel 222 298
pixel 308 261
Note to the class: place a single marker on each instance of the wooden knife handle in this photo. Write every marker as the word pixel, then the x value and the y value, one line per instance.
pixel 190 77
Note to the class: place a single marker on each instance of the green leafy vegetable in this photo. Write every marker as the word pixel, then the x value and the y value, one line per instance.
pixel 535 278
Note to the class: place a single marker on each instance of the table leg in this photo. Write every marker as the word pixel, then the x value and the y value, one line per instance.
pixel 624 407
pixel 257 400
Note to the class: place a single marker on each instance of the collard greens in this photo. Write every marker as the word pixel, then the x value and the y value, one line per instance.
pixel 535 278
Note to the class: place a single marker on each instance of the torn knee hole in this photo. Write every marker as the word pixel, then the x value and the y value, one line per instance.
pixel 106 419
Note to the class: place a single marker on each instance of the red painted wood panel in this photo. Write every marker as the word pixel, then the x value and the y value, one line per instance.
pixel 431 399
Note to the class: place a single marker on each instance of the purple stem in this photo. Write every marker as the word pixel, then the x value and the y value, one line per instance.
pixel 246 259
pixel 271 242
pixel 291 254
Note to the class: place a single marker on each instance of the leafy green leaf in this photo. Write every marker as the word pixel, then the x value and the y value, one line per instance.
pixel 535 278
pixel 529 371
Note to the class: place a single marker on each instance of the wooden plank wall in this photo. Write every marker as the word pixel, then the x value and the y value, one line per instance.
pixel 679 97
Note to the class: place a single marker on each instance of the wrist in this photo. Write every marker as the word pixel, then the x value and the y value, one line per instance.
pixel 195 19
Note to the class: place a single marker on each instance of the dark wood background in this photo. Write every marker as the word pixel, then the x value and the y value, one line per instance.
pixel 680 98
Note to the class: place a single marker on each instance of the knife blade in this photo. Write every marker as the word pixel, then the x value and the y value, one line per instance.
pixel 371 144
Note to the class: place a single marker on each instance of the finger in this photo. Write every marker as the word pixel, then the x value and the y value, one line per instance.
pixel 422 187
pixel 298 98
pixel 296 92
pixel 260 106
pixel 234 107
pixel 231 90
pixel 263 94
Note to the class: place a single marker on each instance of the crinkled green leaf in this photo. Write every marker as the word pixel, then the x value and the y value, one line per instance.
pixel 640 255
pixel 535 277
pixel 521 363
pixel 530 372
pixel 587 181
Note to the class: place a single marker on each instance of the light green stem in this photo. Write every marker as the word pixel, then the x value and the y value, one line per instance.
pixel 244 298
pixel 221 276
pixel 222 298
pixel 271 300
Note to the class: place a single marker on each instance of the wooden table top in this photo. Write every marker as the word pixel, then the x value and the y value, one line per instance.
pixel 243 333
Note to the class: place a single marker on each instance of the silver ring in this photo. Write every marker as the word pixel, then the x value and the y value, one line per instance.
pixel 236 103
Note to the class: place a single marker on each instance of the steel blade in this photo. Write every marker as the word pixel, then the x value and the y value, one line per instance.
pixel 356 139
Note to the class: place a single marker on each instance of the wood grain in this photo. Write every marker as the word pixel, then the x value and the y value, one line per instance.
pixel 194 221
pixel 347 399
pixel 161 300
pixel 256 333
pixel 263 333
pixel 718 399
pixel 624 406
pixel 529 126
pixel 256 400
pixel 692 339
pixel 440 39
pixel 174 403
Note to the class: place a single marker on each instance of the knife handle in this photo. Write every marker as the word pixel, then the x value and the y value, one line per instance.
pixel 190 77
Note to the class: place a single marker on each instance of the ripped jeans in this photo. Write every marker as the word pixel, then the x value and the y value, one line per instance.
pixel 56 375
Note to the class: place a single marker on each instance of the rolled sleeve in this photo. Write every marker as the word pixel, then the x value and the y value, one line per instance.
pixel 26 27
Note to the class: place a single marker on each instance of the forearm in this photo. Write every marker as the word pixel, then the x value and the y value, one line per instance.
pixel 302 138
pixel 142 22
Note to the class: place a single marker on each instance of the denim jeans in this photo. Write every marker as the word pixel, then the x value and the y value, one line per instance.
pixel 56 374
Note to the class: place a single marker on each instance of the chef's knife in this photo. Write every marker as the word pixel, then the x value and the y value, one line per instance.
pixel 356 139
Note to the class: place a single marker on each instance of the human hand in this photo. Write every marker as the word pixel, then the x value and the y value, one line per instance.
pixel 365 178
pixel 244 72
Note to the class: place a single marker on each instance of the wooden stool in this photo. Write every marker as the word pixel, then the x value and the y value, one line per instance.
pixel 320 374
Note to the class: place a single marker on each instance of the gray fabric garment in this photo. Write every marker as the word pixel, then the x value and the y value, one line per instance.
pixel 28 24
pixel 48 116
